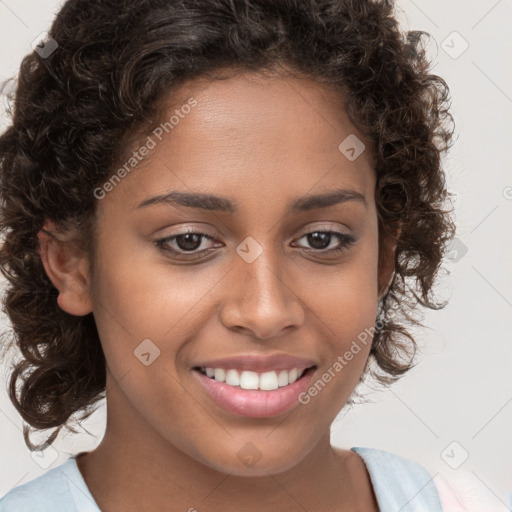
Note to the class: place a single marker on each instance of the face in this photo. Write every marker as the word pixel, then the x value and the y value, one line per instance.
pixel 279 270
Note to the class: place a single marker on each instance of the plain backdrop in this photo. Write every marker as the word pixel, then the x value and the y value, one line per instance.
pixel 453 412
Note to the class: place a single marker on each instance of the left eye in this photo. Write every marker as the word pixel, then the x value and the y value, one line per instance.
pixel 321 240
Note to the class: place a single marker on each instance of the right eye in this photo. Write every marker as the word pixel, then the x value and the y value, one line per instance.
pixel 185 244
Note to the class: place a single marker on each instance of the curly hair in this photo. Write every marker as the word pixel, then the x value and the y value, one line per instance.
pixel 76 112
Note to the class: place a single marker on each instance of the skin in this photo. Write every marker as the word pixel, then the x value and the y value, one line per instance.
pixel 261 143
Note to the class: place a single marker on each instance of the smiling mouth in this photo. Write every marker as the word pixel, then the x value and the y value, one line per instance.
pixel 250 380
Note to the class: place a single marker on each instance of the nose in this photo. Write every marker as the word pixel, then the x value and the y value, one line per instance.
pixel 261 303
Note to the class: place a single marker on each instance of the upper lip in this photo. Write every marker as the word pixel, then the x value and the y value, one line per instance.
pixel 258 363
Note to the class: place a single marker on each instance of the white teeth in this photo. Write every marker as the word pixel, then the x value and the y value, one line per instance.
pixel 282 379
pixel 249 380
pixel 232 378
pixel 266 381
pixel 219 374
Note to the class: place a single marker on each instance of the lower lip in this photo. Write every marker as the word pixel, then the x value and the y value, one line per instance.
pixel 255 403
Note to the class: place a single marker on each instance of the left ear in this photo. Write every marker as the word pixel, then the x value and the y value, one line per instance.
pixel 386 270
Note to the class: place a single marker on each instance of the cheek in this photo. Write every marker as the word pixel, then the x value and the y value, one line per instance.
pixel 143 296
pixel 345 296
pixel 344 303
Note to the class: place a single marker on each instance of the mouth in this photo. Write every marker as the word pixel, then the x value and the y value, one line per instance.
pixel 246 379
pixel 254 394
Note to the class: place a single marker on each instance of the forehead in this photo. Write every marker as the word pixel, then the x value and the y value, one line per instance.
pixel 247 133
pixel 249 107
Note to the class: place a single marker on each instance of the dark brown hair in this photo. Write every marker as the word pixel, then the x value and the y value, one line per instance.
pixel 75 111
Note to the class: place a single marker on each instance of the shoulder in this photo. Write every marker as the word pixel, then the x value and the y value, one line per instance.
pixel 387 465
pixel 48 492
pixel 377 458
pixel 400 483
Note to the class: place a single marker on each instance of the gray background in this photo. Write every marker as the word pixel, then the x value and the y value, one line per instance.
pixel 457 402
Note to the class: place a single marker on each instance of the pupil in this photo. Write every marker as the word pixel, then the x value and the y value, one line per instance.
pixel 319 240
pixel 192 241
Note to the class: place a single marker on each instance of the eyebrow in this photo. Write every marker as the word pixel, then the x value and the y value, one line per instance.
pixel 222 204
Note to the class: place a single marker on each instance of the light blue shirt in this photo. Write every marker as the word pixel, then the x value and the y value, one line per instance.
pixel 399 485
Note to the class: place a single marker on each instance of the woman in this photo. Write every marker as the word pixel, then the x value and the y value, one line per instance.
pixel 213 213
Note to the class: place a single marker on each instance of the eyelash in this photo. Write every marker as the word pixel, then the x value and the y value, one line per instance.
pixel 346 241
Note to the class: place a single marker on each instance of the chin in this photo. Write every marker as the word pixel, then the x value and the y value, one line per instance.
pixel 252 461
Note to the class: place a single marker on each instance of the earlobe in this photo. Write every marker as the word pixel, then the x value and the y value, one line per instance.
pixel 66 266
pixel 387 264
pixel 386 289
